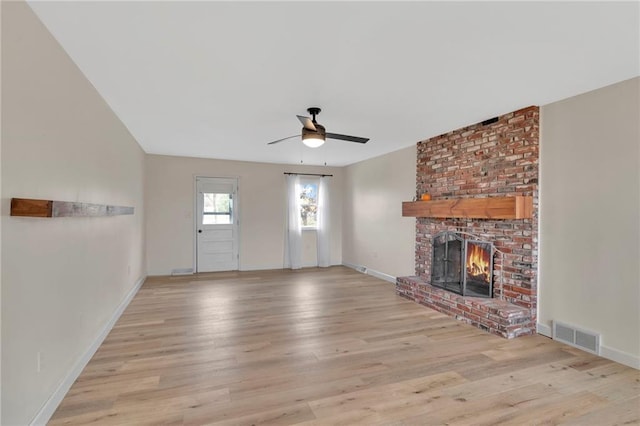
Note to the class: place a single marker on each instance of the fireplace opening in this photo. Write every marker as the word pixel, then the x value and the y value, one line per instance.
pixel 462 265
pixel 478 269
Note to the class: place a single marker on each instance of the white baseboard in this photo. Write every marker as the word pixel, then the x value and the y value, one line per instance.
pixel 627 359
pixel 358 268
pixel 372 272
pixel 55 399
pixel 249 268
pixel 181 271
pixel 544 329
pixel 258 268
pixel 381 275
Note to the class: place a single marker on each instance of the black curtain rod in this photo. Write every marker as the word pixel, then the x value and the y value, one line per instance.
pixel 307 174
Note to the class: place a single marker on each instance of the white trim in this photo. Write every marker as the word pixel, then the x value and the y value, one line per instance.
pixel 544 329
pixel 273 268
pixel 260 268
pixel 194 222
pixel 363 269
pixel 381 275
pixel 625 358
pixel 181 271
pixel 55 399
pixel 358 268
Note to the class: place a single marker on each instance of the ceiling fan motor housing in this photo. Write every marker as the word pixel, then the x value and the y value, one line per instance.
pixel 320 130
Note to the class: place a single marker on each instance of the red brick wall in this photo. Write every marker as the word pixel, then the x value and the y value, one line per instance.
pixel 497 159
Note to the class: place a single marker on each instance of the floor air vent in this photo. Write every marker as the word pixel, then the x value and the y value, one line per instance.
pixel 585 340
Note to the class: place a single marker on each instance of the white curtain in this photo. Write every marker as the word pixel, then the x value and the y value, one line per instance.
pixel 324 253
pixel 293 238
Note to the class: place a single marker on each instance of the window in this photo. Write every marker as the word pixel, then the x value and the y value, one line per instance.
pixel 218 209
pixel 309 204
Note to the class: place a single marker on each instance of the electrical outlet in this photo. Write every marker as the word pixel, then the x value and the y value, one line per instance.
pixel 129 270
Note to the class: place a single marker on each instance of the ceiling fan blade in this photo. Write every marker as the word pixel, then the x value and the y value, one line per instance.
pixel 283 139
pixel 347 138
pixel 307 123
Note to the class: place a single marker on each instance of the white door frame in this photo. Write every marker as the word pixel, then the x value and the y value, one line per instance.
pixel 194 193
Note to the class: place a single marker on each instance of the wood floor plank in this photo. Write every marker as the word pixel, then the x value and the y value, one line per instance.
pixel 293 414
pixel 368 397
pixel 329 346
pixel 625 413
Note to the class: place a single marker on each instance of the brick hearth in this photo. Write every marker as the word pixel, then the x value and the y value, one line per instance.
pixel 493 315
pixel 498 159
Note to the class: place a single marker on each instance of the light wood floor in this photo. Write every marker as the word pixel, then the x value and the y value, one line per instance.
pixel 329 347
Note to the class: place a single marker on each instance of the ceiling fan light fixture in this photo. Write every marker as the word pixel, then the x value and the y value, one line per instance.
pixel 313 140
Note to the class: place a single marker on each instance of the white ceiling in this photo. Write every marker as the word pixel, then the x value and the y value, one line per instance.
pixel 221 79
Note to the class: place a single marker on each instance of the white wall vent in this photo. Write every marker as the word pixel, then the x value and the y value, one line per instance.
pixel 182 271
pixel 582 339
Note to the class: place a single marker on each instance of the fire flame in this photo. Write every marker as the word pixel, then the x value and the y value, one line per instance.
pixel 478 262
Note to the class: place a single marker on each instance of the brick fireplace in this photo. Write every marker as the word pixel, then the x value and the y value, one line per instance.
pixel 496 159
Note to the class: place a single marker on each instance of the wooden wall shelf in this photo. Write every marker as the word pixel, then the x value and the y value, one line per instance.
pixel 517 207
pixel 49 208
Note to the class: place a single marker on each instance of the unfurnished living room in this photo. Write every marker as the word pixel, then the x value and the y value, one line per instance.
pixel 320 213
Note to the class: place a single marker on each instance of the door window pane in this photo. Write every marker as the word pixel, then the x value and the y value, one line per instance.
pixel 217 209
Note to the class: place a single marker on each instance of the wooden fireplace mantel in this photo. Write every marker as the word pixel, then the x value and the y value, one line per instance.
pixel 515 207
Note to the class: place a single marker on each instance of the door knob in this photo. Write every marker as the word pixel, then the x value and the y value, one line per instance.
pixel 200 231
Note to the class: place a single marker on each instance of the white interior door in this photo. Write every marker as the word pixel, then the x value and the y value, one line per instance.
pixel 217 224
